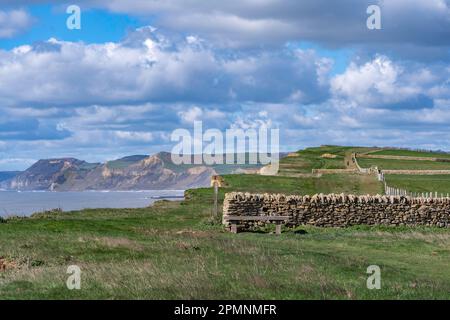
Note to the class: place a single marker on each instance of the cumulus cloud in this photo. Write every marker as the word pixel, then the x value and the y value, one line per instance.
pixel 150 68
pixel 382 83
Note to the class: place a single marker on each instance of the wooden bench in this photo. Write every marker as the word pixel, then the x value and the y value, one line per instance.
pixel 277 220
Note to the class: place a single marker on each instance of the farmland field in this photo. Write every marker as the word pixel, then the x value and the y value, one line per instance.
pixel 420 183
pixel 411 153
pixel 388 164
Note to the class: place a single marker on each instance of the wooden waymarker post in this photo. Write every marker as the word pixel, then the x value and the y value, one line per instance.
pixel 215 182
pixel 216 194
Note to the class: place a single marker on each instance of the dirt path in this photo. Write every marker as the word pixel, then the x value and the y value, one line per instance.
pixel 349 164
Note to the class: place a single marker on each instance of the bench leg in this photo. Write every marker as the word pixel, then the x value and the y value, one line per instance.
pixel 278 228
pixel 233 228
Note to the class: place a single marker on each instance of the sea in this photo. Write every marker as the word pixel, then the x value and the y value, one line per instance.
pixel 25 203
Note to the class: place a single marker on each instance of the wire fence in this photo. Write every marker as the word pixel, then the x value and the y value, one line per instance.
pixel 391 191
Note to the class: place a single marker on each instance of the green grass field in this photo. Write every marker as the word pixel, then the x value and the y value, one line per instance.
pixel 419 183
pixel 411 153
pixel 388 164
pixel 311 158
pixel 173 250
pixel 329 183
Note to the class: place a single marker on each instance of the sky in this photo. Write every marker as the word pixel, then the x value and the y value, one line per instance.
pixel 139 69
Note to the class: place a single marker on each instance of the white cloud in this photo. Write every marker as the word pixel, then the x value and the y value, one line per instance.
pixel 191 115
pixel 144 67
pixel 135 136
pixel 367 83
pixel 385 84
pixel 13 22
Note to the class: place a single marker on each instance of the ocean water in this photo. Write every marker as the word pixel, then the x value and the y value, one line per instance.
pixel 26 203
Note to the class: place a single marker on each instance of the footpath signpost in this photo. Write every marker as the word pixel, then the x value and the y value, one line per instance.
pixel 215 182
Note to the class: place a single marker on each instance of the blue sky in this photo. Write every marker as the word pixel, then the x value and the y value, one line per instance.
pixel 48 21
pixel 137 70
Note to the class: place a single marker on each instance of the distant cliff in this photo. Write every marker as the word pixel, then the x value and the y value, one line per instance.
pixel 7 175
pixel 130 173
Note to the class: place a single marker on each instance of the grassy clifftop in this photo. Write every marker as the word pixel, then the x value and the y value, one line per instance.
pixel 172 251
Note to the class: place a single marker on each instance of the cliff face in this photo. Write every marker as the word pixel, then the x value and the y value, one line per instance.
pixel 45 174
pixel 130 173
pixel 8 175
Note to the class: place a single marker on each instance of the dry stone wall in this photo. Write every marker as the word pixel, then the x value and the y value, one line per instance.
pixel 339 210
pixel 334 171
pixel 418 172
pixel 389 157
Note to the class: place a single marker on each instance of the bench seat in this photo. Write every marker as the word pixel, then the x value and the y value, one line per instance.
pixel 278 220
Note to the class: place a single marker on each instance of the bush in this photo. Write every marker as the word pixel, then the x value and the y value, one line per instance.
pixel 47 214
